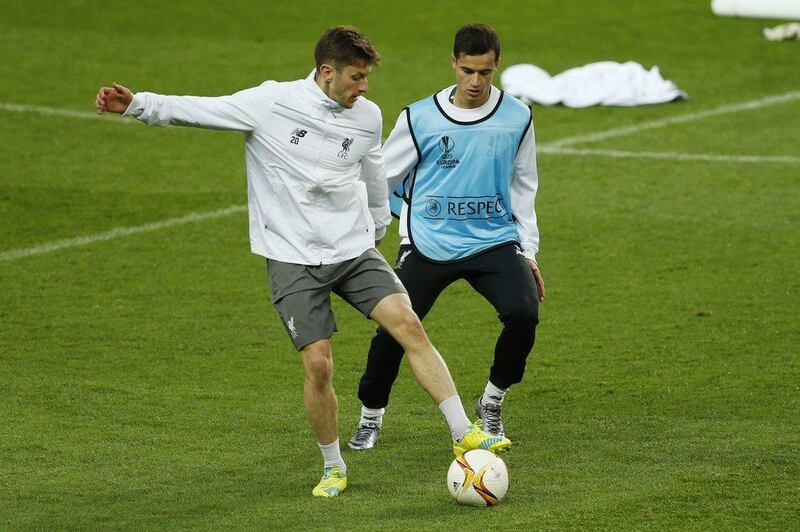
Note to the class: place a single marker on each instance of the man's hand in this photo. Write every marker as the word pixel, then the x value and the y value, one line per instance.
pixel 537 275
pixel 380 234
pixel 115 99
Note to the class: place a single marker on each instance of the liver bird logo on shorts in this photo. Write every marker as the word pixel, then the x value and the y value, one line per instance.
pixel 291 327
pixel 345 152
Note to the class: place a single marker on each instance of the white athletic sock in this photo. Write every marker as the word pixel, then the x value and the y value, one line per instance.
pixel 453 412
pixel 493 395
pixel 371 415
pixel 332 456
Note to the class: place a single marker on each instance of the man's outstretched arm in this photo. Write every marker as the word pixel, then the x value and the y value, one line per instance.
pixel 233 113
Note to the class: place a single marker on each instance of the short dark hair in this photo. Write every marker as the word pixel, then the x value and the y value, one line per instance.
pixel 344 45
pixel 476 39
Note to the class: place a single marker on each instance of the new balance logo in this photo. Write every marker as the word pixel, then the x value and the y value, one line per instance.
pixel 297 134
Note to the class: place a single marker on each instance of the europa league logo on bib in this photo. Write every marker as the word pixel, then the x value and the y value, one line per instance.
pixel 447 145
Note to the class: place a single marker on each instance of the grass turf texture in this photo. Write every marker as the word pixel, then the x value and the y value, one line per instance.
pixel 147 382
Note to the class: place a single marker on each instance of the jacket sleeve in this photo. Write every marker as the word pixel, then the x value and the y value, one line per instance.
pixel 400 152
pixel 524 184
pixel 373 173
pixel 235 112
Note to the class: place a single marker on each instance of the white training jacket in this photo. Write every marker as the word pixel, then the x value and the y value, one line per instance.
pixel 315 173
pixel 401 157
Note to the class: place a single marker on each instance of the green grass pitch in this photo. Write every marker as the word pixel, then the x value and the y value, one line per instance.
pixel 147 383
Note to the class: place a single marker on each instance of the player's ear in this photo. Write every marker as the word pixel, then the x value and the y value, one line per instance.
pixel 326 71
pixel 453 60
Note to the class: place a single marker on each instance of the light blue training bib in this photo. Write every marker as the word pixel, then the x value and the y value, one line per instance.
pixel 459 198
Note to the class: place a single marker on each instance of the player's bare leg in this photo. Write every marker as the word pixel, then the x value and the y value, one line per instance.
pixel 323 411
pixel 394 313
pixel 318 393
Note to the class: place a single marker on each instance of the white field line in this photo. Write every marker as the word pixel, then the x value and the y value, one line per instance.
pixel 54 111
pixel 118 232
pixel 562 143
pixel 555 147
pixel 786 159
pixel 680 119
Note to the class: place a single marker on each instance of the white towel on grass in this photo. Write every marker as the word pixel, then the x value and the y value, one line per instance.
pixel 602 83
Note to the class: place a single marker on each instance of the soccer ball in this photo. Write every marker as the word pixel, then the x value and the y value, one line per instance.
pixel 477 478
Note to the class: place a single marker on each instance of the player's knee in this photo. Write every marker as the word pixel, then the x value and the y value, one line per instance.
pixel 523 316
pixel 408 322
pixel 318 363
pixel 319 372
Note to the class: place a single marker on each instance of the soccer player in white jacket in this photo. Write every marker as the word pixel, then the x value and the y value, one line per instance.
pixel 317 202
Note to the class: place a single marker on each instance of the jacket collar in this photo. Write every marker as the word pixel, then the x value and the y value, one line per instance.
pixel 318 95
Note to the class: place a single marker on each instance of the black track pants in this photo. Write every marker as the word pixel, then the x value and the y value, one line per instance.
pixel 501 275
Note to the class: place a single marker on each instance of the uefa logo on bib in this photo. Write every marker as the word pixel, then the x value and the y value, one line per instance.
pixel 433 208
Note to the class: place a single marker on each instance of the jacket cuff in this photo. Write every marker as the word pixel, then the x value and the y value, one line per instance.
pixel 136 107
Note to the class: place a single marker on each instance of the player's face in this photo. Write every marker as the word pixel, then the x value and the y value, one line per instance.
pixel 347 83
pixel 474 75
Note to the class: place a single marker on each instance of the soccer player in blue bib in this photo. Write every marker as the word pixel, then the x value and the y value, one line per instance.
pixel 461 165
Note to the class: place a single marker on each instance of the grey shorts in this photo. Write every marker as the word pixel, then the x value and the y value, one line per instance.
pixel 302 294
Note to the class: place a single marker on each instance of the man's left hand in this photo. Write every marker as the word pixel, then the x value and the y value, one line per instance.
pixel 537 275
